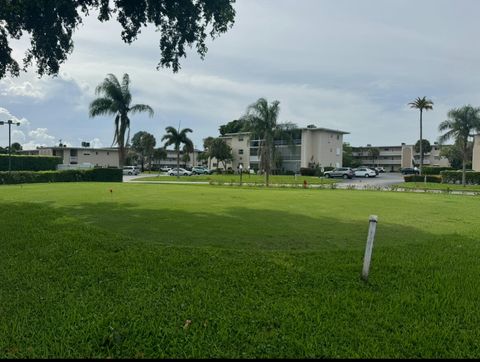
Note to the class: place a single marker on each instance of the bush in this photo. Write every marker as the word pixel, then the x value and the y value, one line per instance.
pixel 289 173
pixel 328 168
pixel 30 163
pixel 432 170
pixel 306 171
pixel 419 178
pixel 96 175
pixel 471 178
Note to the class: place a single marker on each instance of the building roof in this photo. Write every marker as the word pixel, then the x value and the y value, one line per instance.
pixel 75 148
pixel 324 130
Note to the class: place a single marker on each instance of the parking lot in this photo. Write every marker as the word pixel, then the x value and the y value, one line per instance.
pixel 382 180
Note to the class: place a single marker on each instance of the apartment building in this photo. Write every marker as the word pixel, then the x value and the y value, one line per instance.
pixel 99 157
pixel 171 160
pixel 305 147
pixel 393 158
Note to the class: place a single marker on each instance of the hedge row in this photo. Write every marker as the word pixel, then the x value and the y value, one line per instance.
pixel 471 178
pixel 30 163
pixel 308 171
pixel 420 178
pixel 435 170
pixel 96 174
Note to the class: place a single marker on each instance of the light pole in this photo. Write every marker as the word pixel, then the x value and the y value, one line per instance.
pixel 240 167
pixel 9 122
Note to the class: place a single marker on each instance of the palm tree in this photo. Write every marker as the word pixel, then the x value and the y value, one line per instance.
pixel 421 104
pixel 460 125
pixel 116 100
pixel 261 120
pixel 177 138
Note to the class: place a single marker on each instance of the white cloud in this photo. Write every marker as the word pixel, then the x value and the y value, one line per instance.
pixel 96 143
pixel 40 134
pixel 8 87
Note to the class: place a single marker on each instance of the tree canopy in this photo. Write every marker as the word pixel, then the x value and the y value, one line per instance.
pixel 51 24
pixel 237 125
pixel 143 143
pixel 426 146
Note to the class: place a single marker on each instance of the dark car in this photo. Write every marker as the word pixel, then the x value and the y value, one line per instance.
pixel 410 171
pixel 345 172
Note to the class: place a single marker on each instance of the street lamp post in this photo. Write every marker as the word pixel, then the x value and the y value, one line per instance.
pixel 240 167
pixel 9 122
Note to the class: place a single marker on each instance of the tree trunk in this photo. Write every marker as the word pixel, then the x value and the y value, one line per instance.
pixel 121 156
pixel 178 163
pixel 464 163
pixel 421 143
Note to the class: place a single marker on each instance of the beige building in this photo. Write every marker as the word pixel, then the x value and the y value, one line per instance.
pixel 476 153
pixel 393 158
pixel 99 157
pixel 171 160
pixel 308 147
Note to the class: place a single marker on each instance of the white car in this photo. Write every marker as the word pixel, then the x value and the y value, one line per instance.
pixel 365 172
pixel 130 170
pixel 181 172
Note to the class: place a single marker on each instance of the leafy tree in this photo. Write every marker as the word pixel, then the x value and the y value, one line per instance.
pixel 159 154
pixel 454 154
pixel 221 151
pixel 261 120
pixel 116 100
pixel 460 126
pixel 51 24
pixel 185 156
pixel 144 144
pixel 374 153
pixel 425 147
pixel 347 157
pixel 16 147
pixel 206 155
pixel 421 104
pixel 177 138
pixel 234 126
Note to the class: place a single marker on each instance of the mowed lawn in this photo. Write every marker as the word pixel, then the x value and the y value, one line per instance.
pixel 186 271
pixel 247 179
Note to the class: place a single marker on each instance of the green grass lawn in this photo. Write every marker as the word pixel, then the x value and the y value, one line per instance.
pixel 250 179
pixel 437 186
pixel 184 271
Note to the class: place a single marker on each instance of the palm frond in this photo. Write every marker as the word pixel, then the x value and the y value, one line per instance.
pixel 139 108
pixel 101 106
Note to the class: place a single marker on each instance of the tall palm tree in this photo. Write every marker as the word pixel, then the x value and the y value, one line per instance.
pixel 461 124
pixel 261 120
pixel 116 100
pixel 421 104
pixel 177 138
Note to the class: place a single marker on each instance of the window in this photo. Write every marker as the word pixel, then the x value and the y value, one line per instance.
pixel 338 151
pixel 338 136
pixel 240 152
pixel 240 139
pixel 96 153
pixel 73 153
pixel 108 153
pixel 86 154
pixel 331 150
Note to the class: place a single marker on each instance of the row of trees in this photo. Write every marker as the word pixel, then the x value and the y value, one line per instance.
pixel 460 126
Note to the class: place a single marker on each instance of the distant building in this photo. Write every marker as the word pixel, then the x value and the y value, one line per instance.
pixel 393 158
pixel 99 157
pixel 476 153
pixel 307 147
pixel 171 160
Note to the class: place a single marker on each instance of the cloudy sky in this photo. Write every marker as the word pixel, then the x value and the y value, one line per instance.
pixel 344 64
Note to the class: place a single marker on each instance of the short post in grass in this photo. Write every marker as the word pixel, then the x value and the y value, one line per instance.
pixel 369 248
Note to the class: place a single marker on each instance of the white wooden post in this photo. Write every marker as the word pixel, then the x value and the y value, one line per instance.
pixel 368 249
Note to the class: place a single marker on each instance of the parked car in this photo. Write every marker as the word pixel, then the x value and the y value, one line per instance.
pixel 345 172
pixel 181 171
pixel 165 169
pixel 380 169
pixel 365 172
pixel 410 171
pixel 130 170
pixel 200 170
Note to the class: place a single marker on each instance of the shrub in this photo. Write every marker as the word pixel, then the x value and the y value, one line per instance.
pixel 289 173
pixel 96 174
pixel 307 171
pixel 30 163
pixel 471 178
pixel 420 178
pixel 328 168
pixel 435 170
